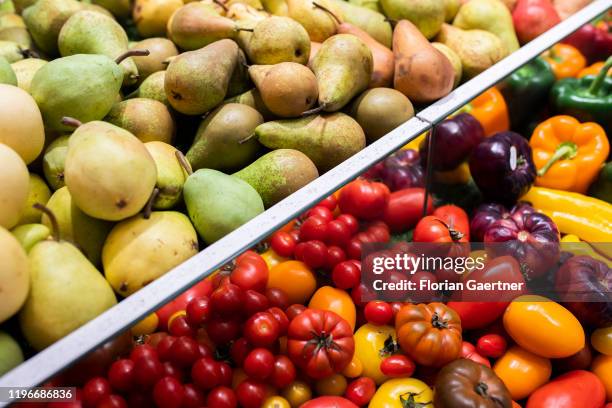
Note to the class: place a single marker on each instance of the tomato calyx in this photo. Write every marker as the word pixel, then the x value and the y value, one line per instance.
pixel 455 235
pixel 390 347
pixel 438 323
pixel 323 340
pixel 407 400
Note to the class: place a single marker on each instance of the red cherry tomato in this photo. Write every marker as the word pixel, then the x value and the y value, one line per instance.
pixel 283 243
pixel 163 347
pixel 281 319
pixel 283 373
pixel 361 391
pixel 469 351
pixel 168 393
pixel 261 330
pixel 378 312
pixel 491 345
pixel 294 310
pixel 335 255
pixel 239 350
pixel 172 370
pixel 338 233
pixel 329 202
pixel 313 228
pixel 347 274
pixel 226 373
pixel 364 199
pixel 94 390
pixel 206 373
pixel 379 231
pixel 321 211
pixel 121 375
pixel 227 300
pixel 251 393
pixel 110 401
pixel 222 397
pixel 277 298
pixel 250 272
pixel 221 330
pixel 198 311
pixel 184 351
pixel 192 397
pixel 254 302
pixel 201 289
pixel 143 350
pixel 259 363
pixel 179 326
pixel 312 253
pixel 397 366
pixel 147 371
pixel 350 221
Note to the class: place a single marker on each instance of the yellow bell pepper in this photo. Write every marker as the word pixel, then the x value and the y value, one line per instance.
pixel 415 143
pixel 577 247
pixel 574 213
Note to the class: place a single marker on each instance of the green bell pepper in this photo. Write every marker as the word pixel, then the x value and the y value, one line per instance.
pixel 602 187
pixel 588 99
pixel 526 91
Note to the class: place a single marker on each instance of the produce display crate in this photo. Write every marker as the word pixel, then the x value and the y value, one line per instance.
pixel 68 350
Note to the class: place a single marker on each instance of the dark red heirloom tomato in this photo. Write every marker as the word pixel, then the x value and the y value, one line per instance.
pixel 364 199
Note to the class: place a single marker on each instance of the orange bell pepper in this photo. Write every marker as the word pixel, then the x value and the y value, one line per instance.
pixel 491 111
pixel 568 154
pixel 565 60
pixel 593 69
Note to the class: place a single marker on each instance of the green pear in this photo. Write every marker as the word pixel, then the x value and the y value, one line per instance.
pixel 21 5
pixel 153 88
pixel 18 35
pixel 66 291
pixel 119 8
pixel 147 119
pixel 11 51
pixel 343 67
pixel 10 353
pixel 25 71
pixel 139 250
pixel 287 89
pixel 218 203
pixel 488 15
pixel 14 186
pixel 197 81
pixel 253 99
pixel 54 160
pixel 278 174
pixel 370 21
pixel 11 20
pixel 7 75
pixel 451 7
pixel 320 18
pixel 380 110
pixel 327 140
pixel 29 235
pixel 44 20
pixel 108 171
pixel 7 6
pixel 239 81
pixel 160 49
pixel 85 232
pixel 89 32
pixel 38 193
pixel 81 86
pixel 223 139
pixel 14 275
pixel 170 175
pixel 454 60
pixel 278 39
pixel 373 5
pixel 477 49
pixel 427 15
pixel 276 7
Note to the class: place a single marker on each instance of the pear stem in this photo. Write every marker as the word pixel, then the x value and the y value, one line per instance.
pixel 183 162
pixel 52 218
pixel 146 212
pixel 71 122
pixel 131 53
pixel 250 30
pixel 221 4
pixel 246 139
pixel 313 111
pixel 328 11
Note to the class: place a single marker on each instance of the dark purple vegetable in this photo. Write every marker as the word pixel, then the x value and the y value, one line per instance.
pixel 530 237
pixel 502 167
pixel 398 171
pixel 483 217
pixel 455 138
pixel 584 285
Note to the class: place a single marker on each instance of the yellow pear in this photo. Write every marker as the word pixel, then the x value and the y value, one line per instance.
pixel 14 276
pixel 151 16
pixel 14 186
pixel 25 71
pixel 38 193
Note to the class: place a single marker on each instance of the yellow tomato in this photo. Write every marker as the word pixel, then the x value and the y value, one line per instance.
pixel 602 368
pixel 272 258
pixel 370 348
pixel 354 368
pixel 297 393
pixel 146 326
pixel 276 402
pixel 332 385
pixel 335 300
pixel 543 327
pixel 522 372
pixel 415 143
pixel 396 392
pixel 601 339
pixel 295 279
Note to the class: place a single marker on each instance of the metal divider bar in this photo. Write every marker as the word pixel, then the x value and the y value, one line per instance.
pixel 68 350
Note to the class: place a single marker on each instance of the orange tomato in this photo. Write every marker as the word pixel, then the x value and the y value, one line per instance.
pixel 332 385
pixel 295 278
pixel 335 300
pixel 522 372
pixel 516 405
pixel 297 393
pixel 276 402
pixel 602 368
pixel 601 339
pixel 543 327
pixel 272 258
pixel 354 368
pixel 146 326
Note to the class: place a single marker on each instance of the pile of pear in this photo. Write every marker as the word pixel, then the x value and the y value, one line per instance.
pixel 134 133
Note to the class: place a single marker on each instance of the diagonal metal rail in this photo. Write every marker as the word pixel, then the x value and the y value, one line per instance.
pixel 68 350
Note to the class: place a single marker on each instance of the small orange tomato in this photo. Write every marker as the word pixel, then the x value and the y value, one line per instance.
pixel 522 372
pixel 601 339
pixel 276 402
pixel 353 369
pixel 297 393
pixel 295 278
pixel 335 300
pixel 272 258
pixel 332 385
pixel 543 327
pixel 146 326
pixel 602 368
pixel 516 404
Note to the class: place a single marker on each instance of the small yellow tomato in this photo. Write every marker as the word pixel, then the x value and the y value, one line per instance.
pixel 522 372
pixel 602 368
pixel 401 393
pixel 175 315
pixel 332 385
pixel 354 368
pixel 543 327
pixel 272 258
pixel 295 279
pixel 372 345
pixel 276 402
pixel 146 326
pixel 297 393
pixel 335 300
pixel 601 339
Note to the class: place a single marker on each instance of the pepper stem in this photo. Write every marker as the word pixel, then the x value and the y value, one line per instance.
pixel 565 151
pixel 599 79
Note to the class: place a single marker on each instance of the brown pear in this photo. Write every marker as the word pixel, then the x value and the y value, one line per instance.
pixel 287 89
pixel 147 119
pixel 382 57
pixel 422 73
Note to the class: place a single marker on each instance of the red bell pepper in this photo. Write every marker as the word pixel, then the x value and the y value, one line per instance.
pixel 593 40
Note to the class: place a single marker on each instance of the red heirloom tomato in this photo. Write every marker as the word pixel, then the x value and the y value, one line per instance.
pixel 251 272
pixel 405 208
pixel 320 342
pixel 430 334
pixel 364 199
pixel 571 390
pixel 329 402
